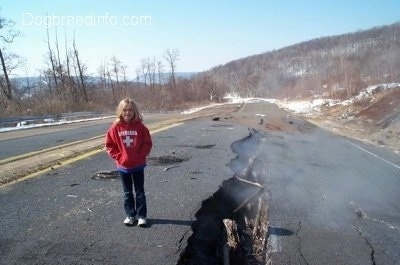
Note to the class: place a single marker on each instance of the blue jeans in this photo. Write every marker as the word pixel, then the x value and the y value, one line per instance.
pixel 134 207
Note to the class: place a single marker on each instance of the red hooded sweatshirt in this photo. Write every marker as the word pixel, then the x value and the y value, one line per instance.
pixel 128 144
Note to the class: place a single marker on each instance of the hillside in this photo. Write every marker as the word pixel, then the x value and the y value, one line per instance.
pixel 339 68
pixel 335 67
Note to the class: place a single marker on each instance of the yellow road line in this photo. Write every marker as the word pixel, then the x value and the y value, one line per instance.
pixel 77 158
pixel 19 157
pixel 43 171
pixel 26 155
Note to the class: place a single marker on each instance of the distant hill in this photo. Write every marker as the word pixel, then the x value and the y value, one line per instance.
pixel 37 81
pixel 337 66
pixel 166 76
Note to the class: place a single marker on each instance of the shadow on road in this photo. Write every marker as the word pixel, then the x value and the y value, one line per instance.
pixel 277 231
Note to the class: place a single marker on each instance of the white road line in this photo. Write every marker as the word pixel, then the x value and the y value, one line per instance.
pixel 375 155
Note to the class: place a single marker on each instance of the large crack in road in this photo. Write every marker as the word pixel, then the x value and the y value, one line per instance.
pixel 210 237
pixel 241 201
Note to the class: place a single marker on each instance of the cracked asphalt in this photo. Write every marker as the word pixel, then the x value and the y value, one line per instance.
pixel 332 200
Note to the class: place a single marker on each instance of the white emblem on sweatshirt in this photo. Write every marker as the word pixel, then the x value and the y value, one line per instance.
pixel 127 141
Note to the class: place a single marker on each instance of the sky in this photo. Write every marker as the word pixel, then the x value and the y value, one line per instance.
pixel 206 33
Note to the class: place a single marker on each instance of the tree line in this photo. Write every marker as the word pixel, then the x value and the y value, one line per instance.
pixel 64 85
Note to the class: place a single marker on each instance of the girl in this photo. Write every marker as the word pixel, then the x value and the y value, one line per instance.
pixel 128 142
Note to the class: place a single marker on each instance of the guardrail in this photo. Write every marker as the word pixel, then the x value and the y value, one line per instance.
pixel 47 119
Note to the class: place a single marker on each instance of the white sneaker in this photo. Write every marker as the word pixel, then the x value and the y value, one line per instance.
pixel 129 221
pixel 142 222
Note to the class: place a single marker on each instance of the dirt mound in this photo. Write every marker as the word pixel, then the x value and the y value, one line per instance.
pixel 383 109
pixel 373 118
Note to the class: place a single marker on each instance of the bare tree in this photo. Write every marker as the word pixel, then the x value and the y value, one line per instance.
pixel 145 71
pixel 52 61
pixel 160 71
pixel 151 70
pixel 81 69
pixel 138 72
pixel 171 56
pixel 116 66
pixel 111 84
pixel 71 80
pixel 60 70
pixel 103 74
pixel 7 35
pixel 123 69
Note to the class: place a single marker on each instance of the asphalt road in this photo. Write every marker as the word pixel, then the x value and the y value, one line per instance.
pixel 67 217
pixel 19 142
pixel 331 200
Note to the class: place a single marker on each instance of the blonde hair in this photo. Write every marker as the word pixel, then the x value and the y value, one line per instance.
pixel 137 116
